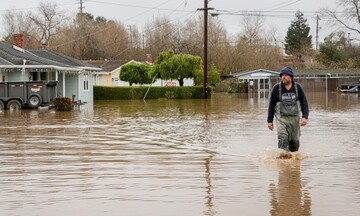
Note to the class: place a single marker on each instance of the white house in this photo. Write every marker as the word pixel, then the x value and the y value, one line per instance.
pixel 260 80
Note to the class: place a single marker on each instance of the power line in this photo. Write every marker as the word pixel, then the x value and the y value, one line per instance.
pixel 283 4
pixel 136 6
pixel 286 4
pixel 32 8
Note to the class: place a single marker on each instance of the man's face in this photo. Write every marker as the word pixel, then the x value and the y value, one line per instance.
pixel 286 79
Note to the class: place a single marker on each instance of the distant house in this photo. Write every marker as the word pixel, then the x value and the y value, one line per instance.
pixel 74 76
pixel 260 80
pixel 110 74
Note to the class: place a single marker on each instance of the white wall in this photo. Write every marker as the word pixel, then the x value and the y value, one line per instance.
pixel 187 82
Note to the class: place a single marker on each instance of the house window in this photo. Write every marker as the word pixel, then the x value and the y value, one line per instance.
pixel 86 82
pixel 3 78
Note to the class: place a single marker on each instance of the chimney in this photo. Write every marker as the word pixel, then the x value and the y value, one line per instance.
pixel 18 40
pixel 148 59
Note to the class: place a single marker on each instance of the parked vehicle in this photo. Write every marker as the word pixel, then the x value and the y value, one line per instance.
pixel 350 88
pixel 29 94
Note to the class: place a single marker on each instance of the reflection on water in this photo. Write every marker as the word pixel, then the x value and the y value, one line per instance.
pixel 179 157
pixel 209 195
pixel 288 196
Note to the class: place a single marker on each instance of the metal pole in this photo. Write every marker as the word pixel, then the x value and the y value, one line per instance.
pixel 150 86
pixel 205 47
pixel 326 89
pixel 23 70
pixel 317 33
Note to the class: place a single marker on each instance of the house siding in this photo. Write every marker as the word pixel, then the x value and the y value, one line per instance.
pixel 71 86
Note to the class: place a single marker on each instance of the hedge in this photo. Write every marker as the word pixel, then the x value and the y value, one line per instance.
pixel 155 92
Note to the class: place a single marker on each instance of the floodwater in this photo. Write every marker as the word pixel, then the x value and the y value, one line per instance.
pixel 179 157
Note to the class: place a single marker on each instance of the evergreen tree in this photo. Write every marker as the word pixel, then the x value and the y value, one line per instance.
pixel 298 40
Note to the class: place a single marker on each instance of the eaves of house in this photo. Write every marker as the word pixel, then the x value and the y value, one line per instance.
pixel 256 74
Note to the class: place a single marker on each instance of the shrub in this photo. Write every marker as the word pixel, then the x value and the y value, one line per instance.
pixel 231 86
pixel 62 103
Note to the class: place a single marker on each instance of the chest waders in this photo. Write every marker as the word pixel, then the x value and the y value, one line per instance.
pixel 287 114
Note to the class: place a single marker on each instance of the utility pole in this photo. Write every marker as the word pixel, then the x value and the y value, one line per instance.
pixel 349 39
pixel 81 6
pixel 205 62
pixel 130 35
pixel 205 48
pixel 317 32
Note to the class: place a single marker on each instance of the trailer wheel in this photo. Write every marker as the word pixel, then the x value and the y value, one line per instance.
pixel 34 101
pixel 14 105
pixel 2 105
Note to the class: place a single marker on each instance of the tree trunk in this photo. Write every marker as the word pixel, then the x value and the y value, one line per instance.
pixel 181 81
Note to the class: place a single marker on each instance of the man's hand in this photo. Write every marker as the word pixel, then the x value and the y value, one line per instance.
pixel 303 121
pixel 270 125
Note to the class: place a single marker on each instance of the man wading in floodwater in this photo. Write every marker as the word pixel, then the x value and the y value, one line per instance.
pixel 286 101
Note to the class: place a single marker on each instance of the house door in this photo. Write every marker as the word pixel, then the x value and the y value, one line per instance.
pixel 264 85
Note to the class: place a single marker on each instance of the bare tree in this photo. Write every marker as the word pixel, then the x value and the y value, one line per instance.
pixel 158 35
pixel 13 22
pixel 253 26
pixel 348 18
pixel 46 21
pixel 219 46
pixel 38 27
pixel 93 38
pixel 113 40
pixel 17 22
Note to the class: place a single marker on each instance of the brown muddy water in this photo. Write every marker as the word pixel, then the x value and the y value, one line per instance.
pixel 179 157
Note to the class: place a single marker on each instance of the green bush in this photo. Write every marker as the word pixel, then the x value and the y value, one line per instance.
pixel 231 86
pixel 155 92
pixel 62 103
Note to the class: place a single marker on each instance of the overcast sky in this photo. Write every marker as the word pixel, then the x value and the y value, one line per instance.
pixel 278 13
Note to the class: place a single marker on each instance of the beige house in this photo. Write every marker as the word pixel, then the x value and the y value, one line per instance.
pixel 109 75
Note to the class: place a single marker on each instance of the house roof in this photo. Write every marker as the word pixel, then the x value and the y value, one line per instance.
pixel 13 57
pixel 48 54
pixel 4 62
pixel 256 74
pixel 107 65
pixel 110 66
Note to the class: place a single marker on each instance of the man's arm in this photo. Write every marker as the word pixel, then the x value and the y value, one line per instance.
pixel 274 97
pixel 303 102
